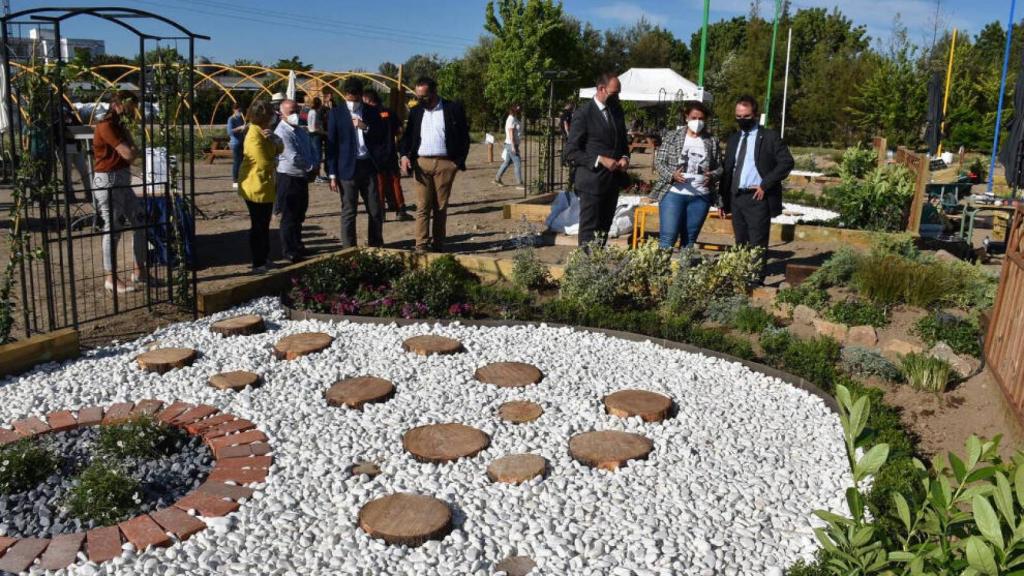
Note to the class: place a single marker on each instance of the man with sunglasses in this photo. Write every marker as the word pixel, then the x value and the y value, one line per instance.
pixel 755 164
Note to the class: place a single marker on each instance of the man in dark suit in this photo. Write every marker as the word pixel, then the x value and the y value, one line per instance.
pixel 434 147
pixel 597 150
pixel 755 164
pixel 356 151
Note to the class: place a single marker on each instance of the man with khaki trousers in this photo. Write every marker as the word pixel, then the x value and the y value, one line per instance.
pixel 434 147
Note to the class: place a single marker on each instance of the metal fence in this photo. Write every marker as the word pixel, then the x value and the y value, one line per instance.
pixel 542 147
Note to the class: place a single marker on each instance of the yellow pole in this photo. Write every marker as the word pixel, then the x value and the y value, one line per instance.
pixel 945 97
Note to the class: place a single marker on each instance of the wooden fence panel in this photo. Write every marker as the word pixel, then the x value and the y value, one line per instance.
pixel 1004 343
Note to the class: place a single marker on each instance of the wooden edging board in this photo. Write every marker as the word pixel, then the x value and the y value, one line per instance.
pixel 790 379
pixel 22 355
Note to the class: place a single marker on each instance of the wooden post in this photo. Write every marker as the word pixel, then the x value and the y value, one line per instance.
pixel 919 166
pixel 880 145
pixel 490 152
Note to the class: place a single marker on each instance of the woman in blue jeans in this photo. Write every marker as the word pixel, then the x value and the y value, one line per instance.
pixel 236 136
pixel 689 166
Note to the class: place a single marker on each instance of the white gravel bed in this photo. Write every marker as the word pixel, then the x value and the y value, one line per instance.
pixel 728 489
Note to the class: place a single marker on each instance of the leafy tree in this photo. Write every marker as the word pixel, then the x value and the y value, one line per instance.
pixel 422 65
pixel 292 63
pixel 389 69
pixel 247 62
pixel 459 80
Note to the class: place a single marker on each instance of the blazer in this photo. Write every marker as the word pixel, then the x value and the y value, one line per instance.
pixel 773 161
pixel 456 133
pixel 342 145
pixel 257 181
pixel 591 136
pixel 666 161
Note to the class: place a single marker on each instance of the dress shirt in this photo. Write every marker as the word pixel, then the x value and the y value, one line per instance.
pixel 749 177
pixel 608 119
pixel 362 152
pixel 432 137
pixel 297 158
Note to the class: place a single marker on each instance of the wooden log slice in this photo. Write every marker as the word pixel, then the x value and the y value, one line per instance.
pixel 354 392
pixel 298 345
pixel 650 406
pixel 239 325
pixel 236 380
pixel 444 442
pixel 516 565
pixel 609 450
pixel 409 519
pixel 520 411
pixel 517 468
pixel 509 374
pixel 163 360
pixel 430 344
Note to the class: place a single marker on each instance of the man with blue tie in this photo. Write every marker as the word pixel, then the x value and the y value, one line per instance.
pixel 755 164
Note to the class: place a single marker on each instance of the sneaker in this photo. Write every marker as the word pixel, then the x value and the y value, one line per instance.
pixel 122 288
pixel 259 269
pixel 404 216
pixel 499 184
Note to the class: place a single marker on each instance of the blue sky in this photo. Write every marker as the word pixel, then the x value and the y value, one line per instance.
pixel 343 34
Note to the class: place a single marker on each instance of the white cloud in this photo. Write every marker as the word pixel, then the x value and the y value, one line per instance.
pixel 627 13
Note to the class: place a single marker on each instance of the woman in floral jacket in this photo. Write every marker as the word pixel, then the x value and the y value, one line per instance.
pixel 689 166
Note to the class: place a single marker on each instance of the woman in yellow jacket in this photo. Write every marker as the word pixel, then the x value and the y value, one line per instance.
pixel 257 181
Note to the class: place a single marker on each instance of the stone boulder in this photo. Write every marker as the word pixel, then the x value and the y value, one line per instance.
pixel 833 330
pixel 864 336
pixel 897 348
pixel 804 314
pixel 962 364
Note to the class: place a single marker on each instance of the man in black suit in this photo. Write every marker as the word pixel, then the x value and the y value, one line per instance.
pixel 756 162
pixel 597 150
pixel 433 148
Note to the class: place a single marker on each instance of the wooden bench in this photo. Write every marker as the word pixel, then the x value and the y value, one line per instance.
pixel 642 142
pixel 219 148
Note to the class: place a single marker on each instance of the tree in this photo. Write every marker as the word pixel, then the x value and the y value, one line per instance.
pixel 292 63
pixel 422 65
pixel 246 62
pixel 389 69
pixel 460 80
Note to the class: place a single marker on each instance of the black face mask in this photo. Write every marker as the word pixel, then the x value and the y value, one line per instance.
pixel 746 123
pixel 612 100
pixel 424 101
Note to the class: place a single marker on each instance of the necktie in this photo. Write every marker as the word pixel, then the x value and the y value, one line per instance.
pixel 741 157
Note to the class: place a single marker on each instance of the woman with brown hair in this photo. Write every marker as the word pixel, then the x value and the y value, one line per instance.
pixel 258 181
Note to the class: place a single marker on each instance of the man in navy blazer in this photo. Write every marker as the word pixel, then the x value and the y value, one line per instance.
pixel 356 151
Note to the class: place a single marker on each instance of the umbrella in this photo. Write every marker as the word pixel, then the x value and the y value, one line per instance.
pixel 290 92
pixel 1010 154
pixel 933 135
pixel 3 102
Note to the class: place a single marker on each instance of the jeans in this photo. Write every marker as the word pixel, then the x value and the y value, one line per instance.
pixel 363 183
pixel 117 204
pixel 236 160
pixel 259 231
pixel 293 200
pixel 511 158
pixel 681 215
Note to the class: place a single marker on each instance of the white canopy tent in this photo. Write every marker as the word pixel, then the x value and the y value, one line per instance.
pixel 653 86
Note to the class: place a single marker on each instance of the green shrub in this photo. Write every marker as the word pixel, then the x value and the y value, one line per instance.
pixel 854 313
pixel 876 203
pixel 349 274
pixel 894 244
pixel 813 360
pixel 891 279
pixel 501 301
pixel 926 373
pixel 104 495
pixel 646 275
pixel 142 437
pixel 961 335
pixel 752 320
pixel 974 288
pixel 527 269
pixel 857 163
pixel 701 280
pixel 837 270
pixel 438 287
pixel 723 310
pixel 865 362
pixel 593 275
pixel 775 342
pixel 24 464
pixel 806 294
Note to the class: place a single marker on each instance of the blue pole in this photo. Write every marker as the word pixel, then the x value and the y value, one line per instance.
pixel 1002 94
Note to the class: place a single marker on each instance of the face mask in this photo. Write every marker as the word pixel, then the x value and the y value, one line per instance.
pixel 424 101
pixel 695 126
pixel 292 119
pixel 612 100
pixel 351 105
pixel 746 123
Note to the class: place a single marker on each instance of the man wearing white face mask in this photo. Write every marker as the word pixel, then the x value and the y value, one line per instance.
pixel 294 167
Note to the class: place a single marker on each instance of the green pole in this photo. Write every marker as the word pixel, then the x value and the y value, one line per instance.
pixel 771 62
pixel 703 43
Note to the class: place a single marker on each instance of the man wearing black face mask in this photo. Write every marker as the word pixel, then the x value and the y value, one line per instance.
pixel 755 164
pixel 597 150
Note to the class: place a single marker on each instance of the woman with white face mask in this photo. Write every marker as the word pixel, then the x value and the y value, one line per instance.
pixel 689 165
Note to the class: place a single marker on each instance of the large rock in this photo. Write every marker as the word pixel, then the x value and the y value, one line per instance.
pixel 897 348
pixel 833 330
pixel 764 294
pixel 782 310
pixel 962 365
pixel 804 314
pixel 864 336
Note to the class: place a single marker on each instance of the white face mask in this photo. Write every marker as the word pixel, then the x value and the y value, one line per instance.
pixel 351 105
pixel 292 119
pixel 695 126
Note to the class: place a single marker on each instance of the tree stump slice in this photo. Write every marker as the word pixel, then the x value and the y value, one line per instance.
pixel 355 392
pixel 517 468
pixel 164 360
pixel 609 450
pixel 298 345
pixel 509 374
pixel 366 468
pixel 239 326
pixel 444 442
pixel 430 344
pixel 520 411
pixel 409 519
pixel 516 565
pixel 236 381
pixel 650 406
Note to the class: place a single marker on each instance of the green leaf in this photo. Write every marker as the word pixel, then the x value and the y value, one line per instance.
pixel 902 509
pixel 980 557
pixel 899 556
pixel 872 461
pixel 826 542
pixel 959 470
pixel 981 474
pixel 1004 498
pixel 1018 484
pixel 843 395
pixel 987 521
pixel 973 451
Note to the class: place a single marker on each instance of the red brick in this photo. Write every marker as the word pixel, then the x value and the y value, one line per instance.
pixel 90 416
pixel 263 462
pixel 118 413
pixel 62 551
pixel 9 436
pixel 222 490
pixel 62 420
pixel 178 522
pixel 19 557
pixel 143 532
pixel 228 428
pixel 102 544
pixel 240 451
pixel 194 415
pixel 147 407
pixel 30 426
pixel 240 475
pixel 236 439
pixel 207 423
pixel 6 543
pixel 206 505
pixel 173 411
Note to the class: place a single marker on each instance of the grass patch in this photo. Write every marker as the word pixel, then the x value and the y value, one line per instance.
pixel 855 313
pixel 926 373
pixel 806 294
